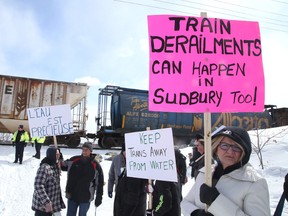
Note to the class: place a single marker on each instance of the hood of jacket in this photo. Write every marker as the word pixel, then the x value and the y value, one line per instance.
pixel 50 156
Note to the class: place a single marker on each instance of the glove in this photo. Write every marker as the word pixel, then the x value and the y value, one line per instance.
pixel 285 187
pixel 110 194
pixel 25 144
pixel 98 201
pixel 13 144
pixel 208 194
pixel 149 212
pixel 200 212
pixel 32 144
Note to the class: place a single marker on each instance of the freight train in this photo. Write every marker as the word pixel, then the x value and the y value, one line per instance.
pixel 18 93
pixel 122 110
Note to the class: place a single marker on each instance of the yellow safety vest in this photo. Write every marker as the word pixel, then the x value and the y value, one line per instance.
pixel 40 140
pixel 24 137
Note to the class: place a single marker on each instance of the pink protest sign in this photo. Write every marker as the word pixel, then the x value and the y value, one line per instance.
pixel 204 65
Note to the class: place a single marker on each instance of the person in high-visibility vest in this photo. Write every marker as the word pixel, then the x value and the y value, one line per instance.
pixel 20 139
pixel 38 142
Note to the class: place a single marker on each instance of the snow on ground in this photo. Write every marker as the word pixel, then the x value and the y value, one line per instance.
pixel 17 180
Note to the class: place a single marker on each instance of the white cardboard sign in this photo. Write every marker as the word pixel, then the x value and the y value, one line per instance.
pixel 50 120
pixel 150 155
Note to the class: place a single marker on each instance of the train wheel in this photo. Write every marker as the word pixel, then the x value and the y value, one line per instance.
pixel 108 142
pixel 100 142
pixel 73 141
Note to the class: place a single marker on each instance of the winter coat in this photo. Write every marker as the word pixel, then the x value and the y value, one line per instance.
pixel 197 165
pixel 47 187
pixel 118 162
pixel 23 137
pixel 195 156
pixel 166 198
pixel 85 176
pixel 130 198
pixel 181 166
pixel 242 192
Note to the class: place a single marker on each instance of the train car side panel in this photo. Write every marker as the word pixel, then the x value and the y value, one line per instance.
pixel 133 112
pixel 129 112
pixel 19 93
pixel 133 115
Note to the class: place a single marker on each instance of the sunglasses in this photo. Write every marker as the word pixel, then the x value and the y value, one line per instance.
pixel 226 146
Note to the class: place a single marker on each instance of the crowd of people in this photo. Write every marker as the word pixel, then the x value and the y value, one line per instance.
pixel 236 188
pixel 84 180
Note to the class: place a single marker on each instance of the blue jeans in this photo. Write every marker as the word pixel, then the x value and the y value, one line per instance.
pixel 72 208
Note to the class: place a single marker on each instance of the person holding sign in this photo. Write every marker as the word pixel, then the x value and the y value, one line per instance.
pixel 20 139
pixel 131 194
pixel 237 189
pixel 85 176
pixel 47 198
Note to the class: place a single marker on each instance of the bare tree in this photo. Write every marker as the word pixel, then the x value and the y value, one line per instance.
pixel 265 137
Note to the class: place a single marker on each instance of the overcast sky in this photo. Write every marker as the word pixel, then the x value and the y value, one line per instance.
pixel 106 41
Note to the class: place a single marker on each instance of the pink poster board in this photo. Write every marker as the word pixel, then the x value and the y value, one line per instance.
pixel 204 65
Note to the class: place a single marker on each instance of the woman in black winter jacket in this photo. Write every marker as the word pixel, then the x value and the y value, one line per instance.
pixel 130 198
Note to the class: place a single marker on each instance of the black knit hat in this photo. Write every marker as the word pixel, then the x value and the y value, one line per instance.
pixel 240 136
pixel 88 145
pixel 199 137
